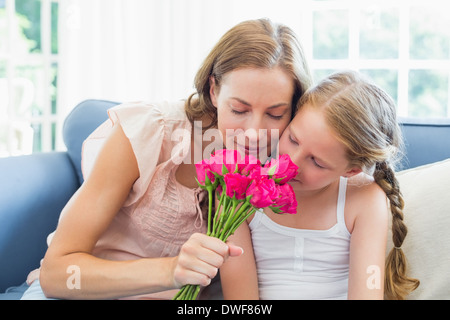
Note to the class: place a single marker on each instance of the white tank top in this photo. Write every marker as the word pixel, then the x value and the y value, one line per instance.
pixel 299 263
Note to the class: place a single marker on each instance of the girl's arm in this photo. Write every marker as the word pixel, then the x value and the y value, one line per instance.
pixel 88 214
pixel 368 244
pixel 238 275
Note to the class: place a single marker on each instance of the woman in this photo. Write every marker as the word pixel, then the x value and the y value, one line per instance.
pixel 135 226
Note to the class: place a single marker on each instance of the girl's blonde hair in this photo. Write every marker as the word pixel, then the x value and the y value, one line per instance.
pixel 364 117
pixel 250 44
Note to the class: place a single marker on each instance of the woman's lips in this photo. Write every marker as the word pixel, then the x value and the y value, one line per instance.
pixel 252 150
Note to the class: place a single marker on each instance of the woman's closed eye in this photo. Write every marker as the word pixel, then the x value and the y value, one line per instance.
pixel 238 112
pixel 272 116
pixel 275 117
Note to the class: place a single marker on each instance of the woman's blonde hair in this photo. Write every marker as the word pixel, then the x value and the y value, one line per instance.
pixel 364 117
pixel 250 44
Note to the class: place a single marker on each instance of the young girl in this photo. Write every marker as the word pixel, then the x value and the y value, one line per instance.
pixel 343 138
pixel 134 227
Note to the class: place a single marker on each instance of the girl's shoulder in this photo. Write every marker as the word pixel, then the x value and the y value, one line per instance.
pixel 365 200
pixel 364 187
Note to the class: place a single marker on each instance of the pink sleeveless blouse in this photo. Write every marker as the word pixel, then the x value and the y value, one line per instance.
pixel 159 214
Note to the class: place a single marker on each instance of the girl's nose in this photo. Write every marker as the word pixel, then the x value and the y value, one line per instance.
pixel 296 157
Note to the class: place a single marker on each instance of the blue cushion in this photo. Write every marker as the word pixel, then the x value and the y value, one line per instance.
pixel 426 141
pixel 79 124
pixel 14 293
pixel 33 191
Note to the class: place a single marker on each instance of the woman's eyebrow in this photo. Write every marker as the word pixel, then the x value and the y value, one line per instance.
pixel 242 101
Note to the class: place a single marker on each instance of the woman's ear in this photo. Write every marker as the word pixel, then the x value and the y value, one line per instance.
pixel 352 172
pixel 213 90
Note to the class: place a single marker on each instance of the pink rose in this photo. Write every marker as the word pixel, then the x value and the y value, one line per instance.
pixel 282 168
pixel 249 165
pixel 203 170
pixel 227 158
pixel 263 192
pixel 286 202
pixel 236 185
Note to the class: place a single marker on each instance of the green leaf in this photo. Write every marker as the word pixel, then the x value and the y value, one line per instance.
pixel 272 170
pixel 224 169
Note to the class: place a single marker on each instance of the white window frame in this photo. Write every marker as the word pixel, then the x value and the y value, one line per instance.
pixel 20 128
pixel 300 19
pixel 403 64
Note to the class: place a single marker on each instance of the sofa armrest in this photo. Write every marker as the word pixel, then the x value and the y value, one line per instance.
pixel 33 191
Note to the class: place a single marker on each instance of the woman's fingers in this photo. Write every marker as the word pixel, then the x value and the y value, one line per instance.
pixel 200 258
pixel 234 251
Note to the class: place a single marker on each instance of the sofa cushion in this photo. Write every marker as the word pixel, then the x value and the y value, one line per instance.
pixel 426 141
pixel 78 126
pixel 427 215
pixel 33 191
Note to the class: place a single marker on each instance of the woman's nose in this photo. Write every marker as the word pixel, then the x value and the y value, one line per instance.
pixel 255 129
pixel 257 137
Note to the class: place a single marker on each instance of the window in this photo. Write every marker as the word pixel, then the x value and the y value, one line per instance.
pixel 28 65
pixel 404 46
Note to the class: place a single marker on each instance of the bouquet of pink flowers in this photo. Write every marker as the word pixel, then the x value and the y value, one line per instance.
pixel 242 186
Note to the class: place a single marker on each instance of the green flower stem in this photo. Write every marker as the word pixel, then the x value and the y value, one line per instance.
pixel 210 204
pixel 187 292
pixel 176 297
pixel 230 216
pixel 239 222
pixel 222 215
pixel 232 220
pixel 241 210
pixel 217 213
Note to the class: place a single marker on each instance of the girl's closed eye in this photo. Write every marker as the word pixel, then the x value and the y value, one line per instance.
pixel 292 140
pixel 317 164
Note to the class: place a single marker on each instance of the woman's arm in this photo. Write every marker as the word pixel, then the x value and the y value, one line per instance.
pixel 238 275
pixel 88 214
pixel 368 244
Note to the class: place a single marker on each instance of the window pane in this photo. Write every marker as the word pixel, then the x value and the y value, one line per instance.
pixel 30 90
pixel 3 106
pixel 2 68
pixel 29 15
pixel 54 35
pixel 3 27
pixel 428 93
pixel 53 91
pixel 379 33
pixel 54 133
pixel 330 34
pixel 319 74
pixel 3 140
pixel 429 33
pixel 37 137
pixel 386 79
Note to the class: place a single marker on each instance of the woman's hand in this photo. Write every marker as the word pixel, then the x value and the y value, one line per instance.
pixel 200 259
